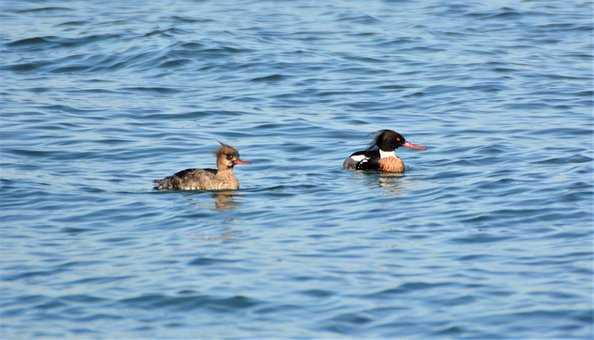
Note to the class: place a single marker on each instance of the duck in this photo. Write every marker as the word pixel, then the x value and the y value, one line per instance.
pixel 381 155
pixel 220 179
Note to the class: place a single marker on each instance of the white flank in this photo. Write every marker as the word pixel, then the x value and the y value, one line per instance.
pixel 358 158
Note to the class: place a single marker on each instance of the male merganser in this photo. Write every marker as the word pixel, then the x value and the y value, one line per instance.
pixel 221 178
pixel 380 155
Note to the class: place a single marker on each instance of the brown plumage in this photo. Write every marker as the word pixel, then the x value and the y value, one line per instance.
pixel 221 178
pixel 391 164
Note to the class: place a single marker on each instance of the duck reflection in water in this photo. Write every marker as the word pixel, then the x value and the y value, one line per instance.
pixel 216 200
pixel 391 182
pixel 223 200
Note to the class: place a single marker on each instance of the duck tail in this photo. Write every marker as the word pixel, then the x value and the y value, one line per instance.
pixel 162 184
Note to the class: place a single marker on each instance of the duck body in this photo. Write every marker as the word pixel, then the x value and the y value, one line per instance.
pixel 221 178
pixel 199 179
pixel 374 160
pixel 381 155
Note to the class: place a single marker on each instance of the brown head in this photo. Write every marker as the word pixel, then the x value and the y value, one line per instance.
pixel 228 157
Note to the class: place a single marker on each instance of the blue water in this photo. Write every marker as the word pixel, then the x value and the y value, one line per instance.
pixel 488 235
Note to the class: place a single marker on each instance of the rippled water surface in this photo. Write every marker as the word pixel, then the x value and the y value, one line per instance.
pixel 488 235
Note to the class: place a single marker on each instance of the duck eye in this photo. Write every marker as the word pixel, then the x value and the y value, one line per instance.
pixel 229 157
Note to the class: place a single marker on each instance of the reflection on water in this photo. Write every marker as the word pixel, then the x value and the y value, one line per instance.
pixel 389 181
pixel 216 234
pixel 218 200
pixel 223 200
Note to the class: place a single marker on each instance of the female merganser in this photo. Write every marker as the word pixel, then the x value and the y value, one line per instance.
pixel 380 155
pixel 221 178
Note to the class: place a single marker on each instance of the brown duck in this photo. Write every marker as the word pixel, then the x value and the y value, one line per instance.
pixel 221 178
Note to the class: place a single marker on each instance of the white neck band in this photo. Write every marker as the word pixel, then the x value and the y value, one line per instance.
pixel 386 154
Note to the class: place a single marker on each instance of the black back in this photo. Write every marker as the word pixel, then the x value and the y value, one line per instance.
pixel 370 162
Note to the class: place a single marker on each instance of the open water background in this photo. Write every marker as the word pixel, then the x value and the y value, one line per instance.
pixel 488 235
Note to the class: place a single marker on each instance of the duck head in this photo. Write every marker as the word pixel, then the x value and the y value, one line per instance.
pixel 228 157
pixel 389 140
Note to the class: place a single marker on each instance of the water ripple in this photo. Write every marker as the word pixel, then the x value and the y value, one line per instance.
pixel 487 235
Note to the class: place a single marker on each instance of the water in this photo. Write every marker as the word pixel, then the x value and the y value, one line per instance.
pixel 489 233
